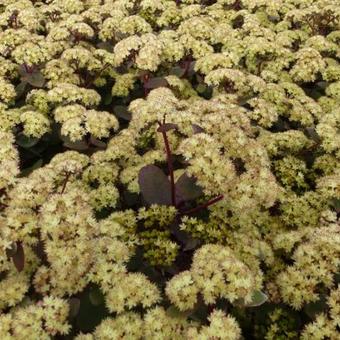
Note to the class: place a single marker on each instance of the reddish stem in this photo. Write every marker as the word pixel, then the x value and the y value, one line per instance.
pixel 170 166
pixel 3 206
pixel 202 206
pixel 65 182
pixel 145 79
pixel 172 177
pixel 187 63
pixel 27 68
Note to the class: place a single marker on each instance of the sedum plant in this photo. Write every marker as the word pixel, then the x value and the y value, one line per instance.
pixel 169 169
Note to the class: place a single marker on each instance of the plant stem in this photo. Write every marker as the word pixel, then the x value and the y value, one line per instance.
pixel 170 167
pixel 145 79
pixel 187 63
pixel 65 182
pixel 202 206
pixel 27 68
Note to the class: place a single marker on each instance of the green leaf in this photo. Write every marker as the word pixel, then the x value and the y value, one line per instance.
pixel 201 88
pixel 335 203
pixel 154 185
pixel 107 100
pixel 177 71
pixel 96 297
pixel 25 141
pixel 89 315
pixel 20 89
pixel 314 308
pixel 174 312
pixel 337 278
pixel 191 244
pixel 258 299
pixel 25 172
pixel 322 84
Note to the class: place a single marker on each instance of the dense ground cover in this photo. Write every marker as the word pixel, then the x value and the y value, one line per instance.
pixel 169 169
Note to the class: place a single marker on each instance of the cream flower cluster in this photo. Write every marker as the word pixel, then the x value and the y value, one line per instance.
pixel 158 323
pixel 215 273
pixel 77 121
pixel 251 90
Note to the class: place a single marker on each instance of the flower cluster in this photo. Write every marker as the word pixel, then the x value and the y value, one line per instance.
pixel 215 273
pixel 160 323
pixel 180 158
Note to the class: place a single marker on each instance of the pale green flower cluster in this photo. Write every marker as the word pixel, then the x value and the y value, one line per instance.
pixel 77 122
pixel 158 323
pixel 9 160
pixel 315 263
pixel 215 273
pixel 251 90
pixel 45 319
pixel 7 91
pixel 325 325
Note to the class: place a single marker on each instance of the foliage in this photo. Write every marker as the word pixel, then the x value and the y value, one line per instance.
pixel 169 169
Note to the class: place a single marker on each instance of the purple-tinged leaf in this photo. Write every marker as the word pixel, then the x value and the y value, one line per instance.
pixel 154 185
pixel 197 129
pixel 105 46
pixel 311 131
pixel 35 79
pixel 167 127
pixel 74 307
pixel 32 76
pixel 191 244
pixel 122 111
pixel 22 70
pixel 187 188
pixel 156 82
pixel 97 142
pixel 18 256
pixel 80 145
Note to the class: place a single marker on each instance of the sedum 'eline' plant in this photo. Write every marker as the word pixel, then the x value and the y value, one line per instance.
pixel 169 169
